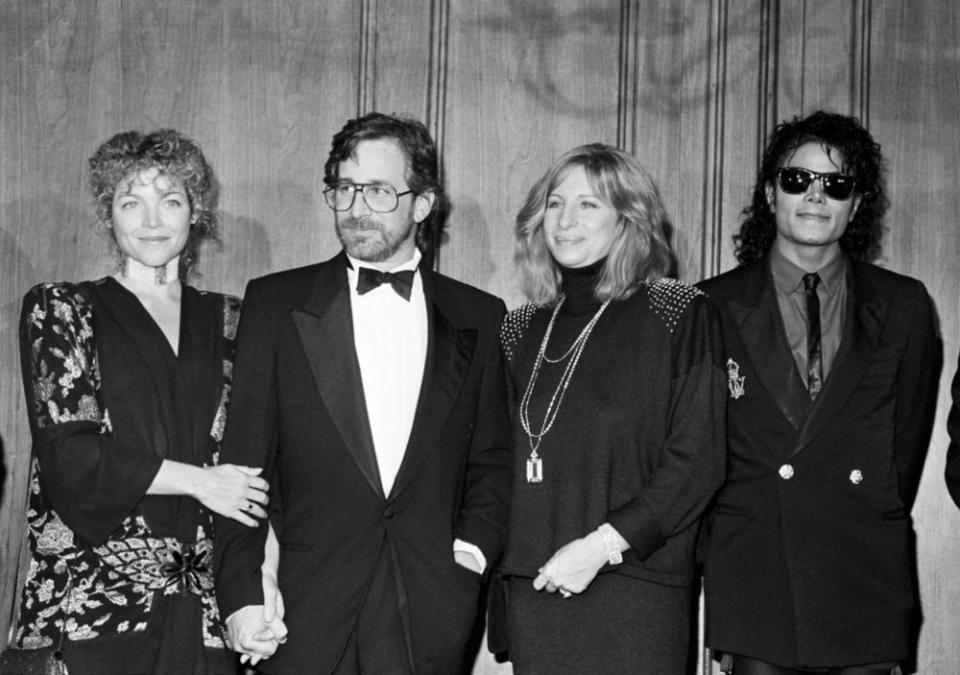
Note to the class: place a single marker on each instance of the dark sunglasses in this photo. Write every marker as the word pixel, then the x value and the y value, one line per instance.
pixel 795 181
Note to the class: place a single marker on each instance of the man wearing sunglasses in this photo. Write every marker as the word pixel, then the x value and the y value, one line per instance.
pixel 832 365
pixel 371 389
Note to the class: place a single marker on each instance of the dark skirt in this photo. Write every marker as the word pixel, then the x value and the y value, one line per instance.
pixel 172 644
pixel 618 625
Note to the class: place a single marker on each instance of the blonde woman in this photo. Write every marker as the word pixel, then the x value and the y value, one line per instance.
pixel 617 394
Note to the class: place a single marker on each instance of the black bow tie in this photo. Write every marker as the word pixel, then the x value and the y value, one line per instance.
pixel 369 278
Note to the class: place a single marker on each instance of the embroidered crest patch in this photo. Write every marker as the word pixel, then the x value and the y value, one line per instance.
pixel 734 379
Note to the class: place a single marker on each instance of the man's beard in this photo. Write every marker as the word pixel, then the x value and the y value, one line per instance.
pixel 367 239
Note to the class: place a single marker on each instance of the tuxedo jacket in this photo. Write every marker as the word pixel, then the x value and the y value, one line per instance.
pixel 298 410
pixel 810 559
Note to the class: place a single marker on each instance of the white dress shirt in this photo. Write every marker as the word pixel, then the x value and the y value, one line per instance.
pixel 390 337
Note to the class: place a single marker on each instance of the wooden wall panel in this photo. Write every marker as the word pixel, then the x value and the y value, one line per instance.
pixel 914 113
pixel 50 109
pixel 12 422
pixel 664 108
pixel 269 133
pixel 397 51
pixel 814 55
pixel 525 83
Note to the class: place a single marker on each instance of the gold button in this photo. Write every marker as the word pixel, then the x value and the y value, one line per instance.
pixel 856 476
pixel 786 472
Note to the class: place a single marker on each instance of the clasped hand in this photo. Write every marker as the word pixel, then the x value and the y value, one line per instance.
pixel 573 567
pixel 257 631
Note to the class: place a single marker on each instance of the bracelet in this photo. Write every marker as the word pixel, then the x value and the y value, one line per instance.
pixel 610 540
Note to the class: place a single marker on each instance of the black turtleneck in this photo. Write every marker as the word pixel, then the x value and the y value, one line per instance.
pixel 579 305
pixel 578 285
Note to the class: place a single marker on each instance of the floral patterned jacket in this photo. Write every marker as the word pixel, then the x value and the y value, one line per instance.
pixel 110 588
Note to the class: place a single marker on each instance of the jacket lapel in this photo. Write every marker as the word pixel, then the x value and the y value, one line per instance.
pixel 865 317
pixel 758 321
pixel 449 352
pixel 325 325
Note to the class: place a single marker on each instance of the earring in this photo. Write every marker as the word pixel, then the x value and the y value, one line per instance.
pixel 124 266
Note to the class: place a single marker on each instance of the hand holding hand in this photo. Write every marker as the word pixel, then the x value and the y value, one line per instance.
pixel 234 491
pixel 573 567
pixel 252 636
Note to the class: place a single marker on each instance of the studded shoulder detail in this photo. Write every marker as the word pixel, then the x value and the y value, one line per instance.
pixel 514 326
pixel 669 298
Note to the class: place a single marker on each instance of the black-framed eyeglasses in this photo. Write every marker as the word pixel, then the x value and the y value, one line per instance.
pixel 378 197
pixel 795 181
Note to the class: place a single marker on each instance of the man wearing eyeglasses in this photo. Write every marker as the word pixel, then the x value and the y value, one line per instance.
pixel 832 365
pixel 371 390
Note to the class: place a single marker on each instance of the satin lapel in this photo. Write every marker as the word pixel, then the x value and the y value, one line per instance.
pixel 866 315
pixel 449 352
pixel 325 325
pixel 761 329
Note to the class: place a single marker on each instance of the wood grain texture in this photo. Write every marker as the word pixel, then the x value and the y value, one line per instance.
pixel 814 56
pixel 914 113
pixel 525 84
pixel 691 87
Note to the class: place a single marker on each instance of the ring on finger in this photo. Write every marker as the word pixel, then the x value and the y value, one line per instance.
pixel 565 593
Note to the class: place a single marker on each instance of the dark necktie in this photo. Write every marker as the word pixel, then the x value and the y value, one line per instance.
pixel 369 278
pixel 814 352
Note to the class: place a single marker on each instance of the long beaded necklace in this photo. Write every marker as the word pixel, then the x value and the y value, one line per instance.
pixel 535 462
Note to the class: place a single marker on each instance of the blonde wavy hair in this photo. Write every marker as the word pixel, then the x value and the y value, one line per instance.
pixel 640 253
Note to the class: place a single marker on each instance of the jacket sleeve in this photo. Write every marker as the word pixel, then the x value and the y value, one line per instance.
pixel 89 478
pixel 482 520
pixel 917 383
pixel 249 440
pixel 693 457
pixel 952 472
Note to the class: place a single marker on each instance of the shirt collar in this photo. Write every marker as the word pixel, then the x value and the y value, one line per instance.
pixel 788 277
pixel 354 265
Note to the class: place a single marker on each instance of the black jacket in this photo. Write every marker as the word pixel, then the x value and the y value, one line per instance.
pixel 298 410
pixel 810 559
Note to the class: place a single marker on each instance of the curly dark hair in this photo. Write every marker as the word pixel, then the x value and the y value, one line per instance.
pixel 420 156
pixel 130 153
pixel 861 158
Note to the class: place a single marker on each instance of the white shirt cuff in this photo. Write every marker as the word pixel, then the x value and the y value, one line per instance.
pixel 472 549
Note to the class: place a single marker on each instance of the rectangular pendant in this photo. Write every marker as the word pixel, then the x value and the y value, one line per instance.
pixel 534 470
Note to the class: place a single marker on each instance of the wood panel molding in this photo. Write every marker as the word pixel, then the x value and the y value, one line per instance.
pixel 860 61
pixel 367 73
pixel 769 40
pixel 713 168
pixel 435 117
pixel 628 68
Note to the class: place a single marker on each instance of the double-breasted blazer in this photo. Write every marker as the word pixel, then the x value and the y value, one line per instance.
pixel 810 560
pixel 298 411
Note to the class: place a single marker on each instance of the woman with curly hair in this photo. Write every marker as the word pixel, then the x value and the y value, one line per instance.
pixel 127 379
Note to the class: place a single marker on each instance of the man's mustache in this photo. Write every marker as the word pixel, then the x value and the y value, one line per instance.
pixel 364 223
